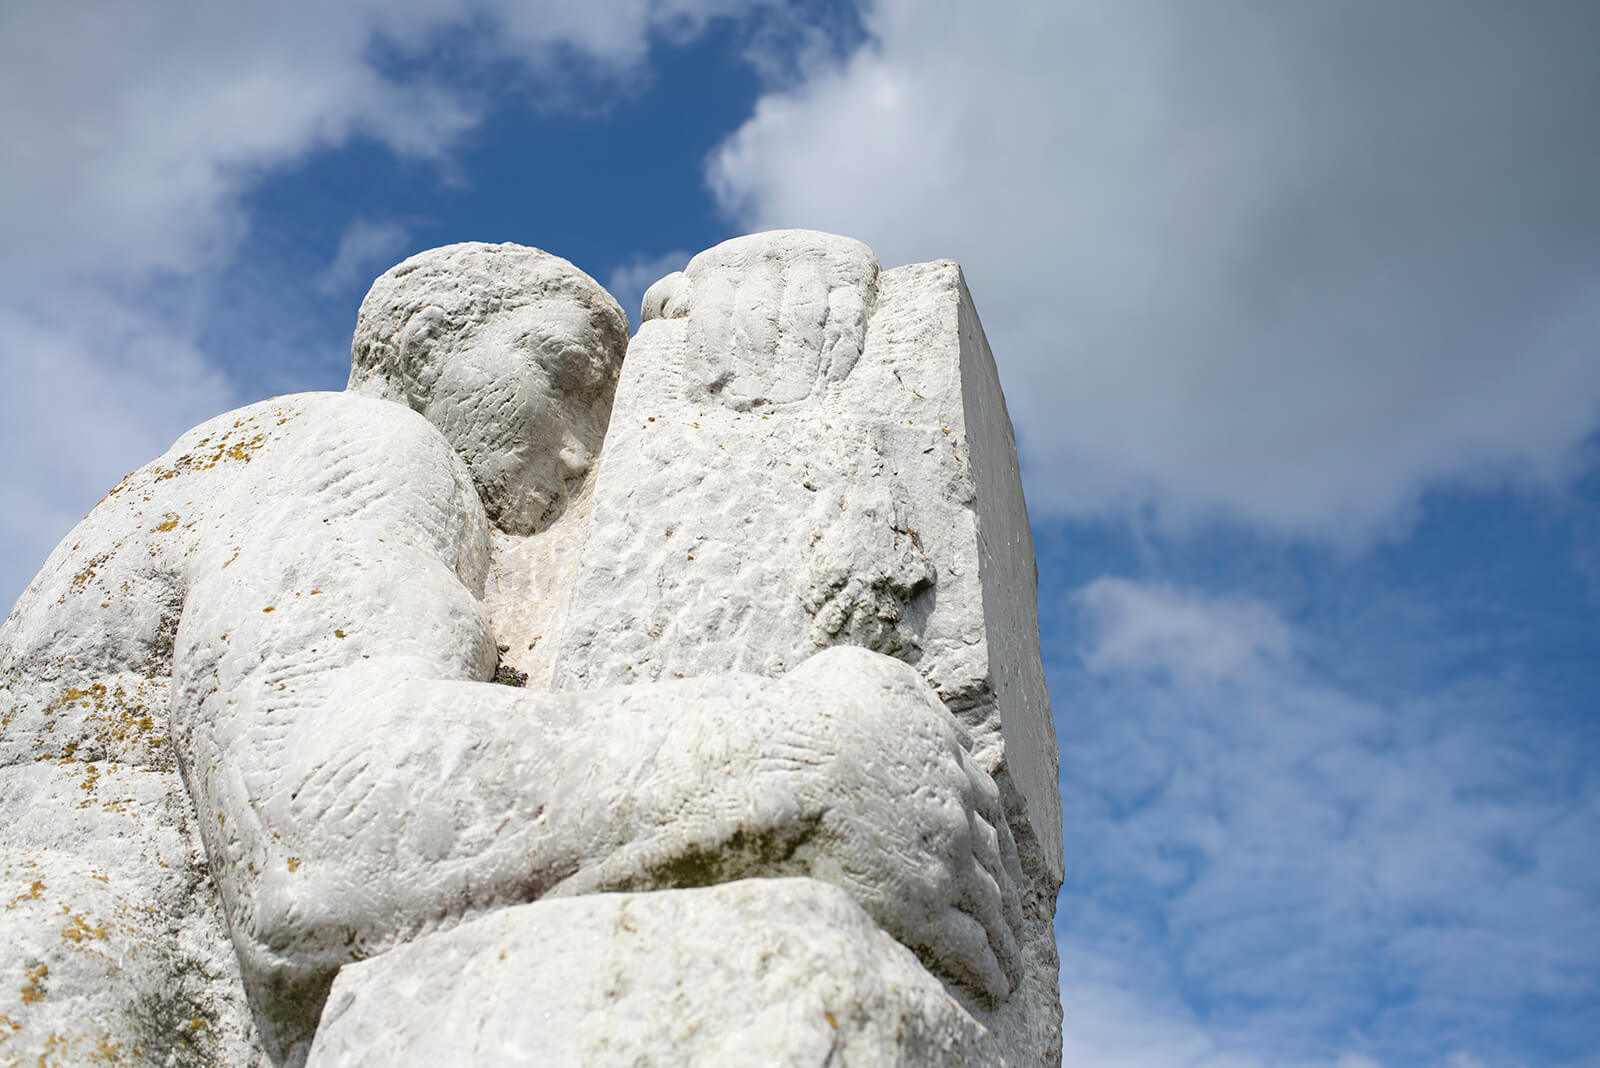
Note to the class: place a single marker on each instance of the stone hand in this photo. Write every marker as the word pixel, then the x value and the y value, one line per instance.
pixel 848 770
pixel 906 820
pixel 773 317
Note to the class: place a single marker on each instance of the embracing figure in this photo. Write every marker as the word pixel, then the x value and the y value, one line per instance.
pixel 391 656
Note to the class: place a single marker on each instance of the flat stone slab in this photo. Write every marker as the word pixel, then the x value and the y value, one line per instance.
pixel 761 971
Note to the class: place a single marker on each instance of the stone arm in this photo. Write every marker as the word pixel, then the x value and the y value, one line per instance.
pixel 358 784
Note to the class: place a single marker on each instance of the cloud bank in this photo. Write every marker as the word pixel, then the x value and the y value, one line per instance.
pixel 1293 266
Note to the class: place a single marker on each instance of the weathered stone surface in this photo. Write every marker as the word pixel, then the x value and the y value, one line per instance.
pixel 806 451
pixel 104 678
pixel 786 971
pixel 254 682
pixel 317 506
pixel 809 452
pixel 511 352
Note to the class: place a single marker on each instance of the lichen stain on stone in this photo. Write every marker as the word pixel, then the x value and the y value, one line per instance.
pixel 228 447
pixel 34 990
pixel 81 580
pixel 78 929
pixel 32 894
pixel 118 488
pixel 744 853
pixel 178 1029
pixel 108 1051
pixel 118 727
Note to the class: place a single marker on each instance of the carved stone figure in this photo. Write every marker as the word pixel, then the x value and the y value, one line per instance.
pixel 774 781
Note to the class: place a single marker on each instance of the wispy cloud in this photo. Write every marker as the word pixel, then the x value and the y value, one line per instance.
pixel 364 245
pixel 628 281
pixel 1144 628
pixel 95 387
pixel 1286 872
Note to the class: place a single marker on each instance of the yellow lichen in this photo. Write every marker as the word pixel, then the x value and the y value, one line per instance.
pixel 118 488
pixel 81 580
pixel 32 991
pixel 229 447
pixel 78 930
pixel 118 724
pixel 32 894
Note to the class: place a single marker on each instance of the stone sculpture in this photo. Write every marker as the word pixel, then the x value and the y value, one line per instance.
pixel 775 779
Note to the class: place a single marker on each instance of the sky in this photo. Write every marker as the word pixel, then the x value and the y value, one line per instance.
pixel 1297 307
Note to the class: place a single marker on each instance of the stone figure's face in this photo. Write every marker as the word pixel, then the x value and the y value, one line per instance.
pixel 511 352
pixel 527 400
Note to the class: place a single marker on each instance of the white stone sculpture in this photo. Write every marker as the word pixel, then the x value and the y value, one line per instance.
pixel 779 785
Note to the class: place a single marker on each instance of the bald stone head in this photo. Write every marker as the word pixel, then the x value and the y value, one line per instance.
pixel 511 352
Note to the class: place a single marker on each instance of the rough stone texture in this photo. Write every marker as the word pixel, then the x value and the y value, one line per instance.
pixel 807 452
pixel 250 737
pixel 350 504
pixel 511 352
pixel 119 952
pixel 766 971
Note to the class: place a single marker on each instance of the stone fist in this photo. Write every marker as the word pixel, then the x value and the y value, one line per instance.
pixel 772 317
pixel 848 770
pixel 904 819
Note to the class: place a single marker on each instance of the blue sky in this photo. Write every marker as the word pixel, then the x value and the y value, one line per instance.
pixel 1297 308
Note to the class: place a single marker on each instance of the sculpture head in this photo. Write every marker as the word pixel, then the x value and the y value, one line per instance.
pixel 511 352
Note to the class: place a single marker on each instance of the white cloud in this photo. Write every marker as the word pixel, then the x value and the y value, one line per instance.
pixel 1461 1059
pixel 130 136
pixel 1286 870
pixel 1157 628
pixel 1116 1018
pixel 1293 268
pixel 364 245
pixel 132 130
pixel 94 389
pixel 628 281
